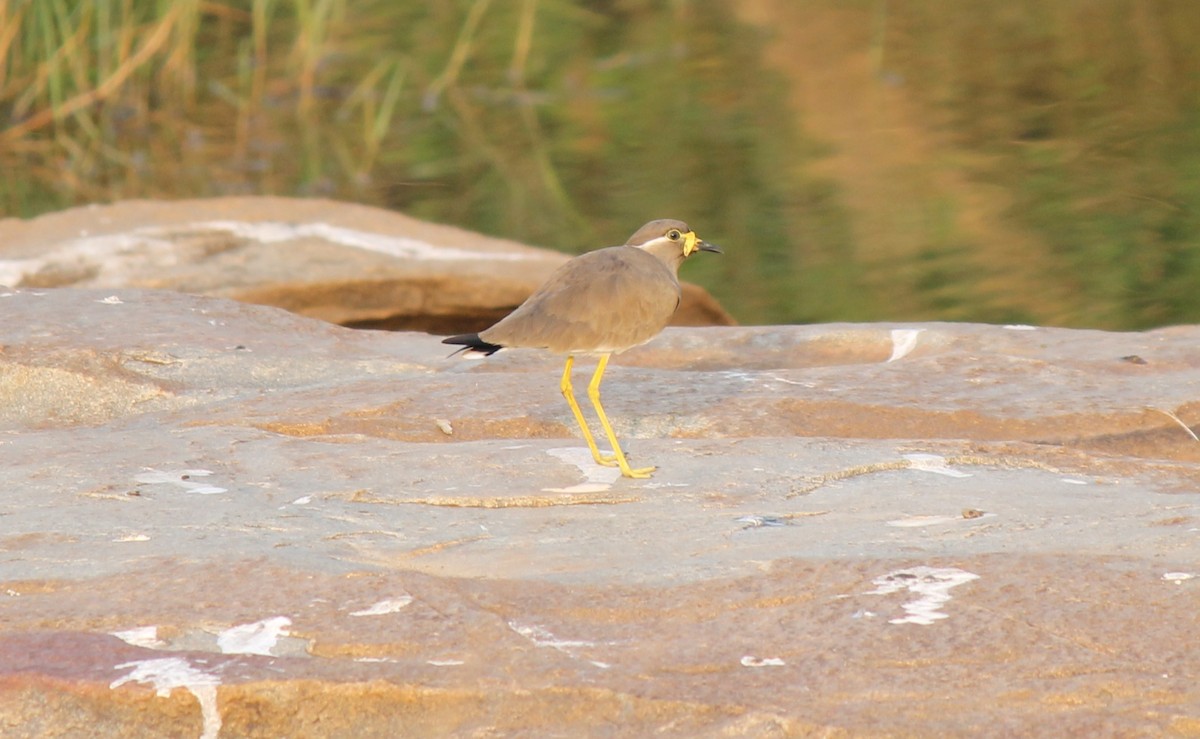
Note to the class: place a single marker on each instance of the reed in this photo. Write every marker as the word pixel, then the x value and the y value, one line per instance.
pixel 106 99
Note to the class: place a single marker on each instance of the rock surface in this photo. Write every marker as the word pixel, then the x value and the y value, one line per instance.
pixel 347 264
pixel 221 519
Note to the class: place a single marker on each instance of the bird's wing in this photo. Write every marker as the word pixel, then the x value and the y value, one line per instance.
pixel 605 300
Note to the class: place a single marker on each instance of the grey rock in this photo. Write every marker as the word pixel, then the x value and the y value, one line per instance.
pixel 221 519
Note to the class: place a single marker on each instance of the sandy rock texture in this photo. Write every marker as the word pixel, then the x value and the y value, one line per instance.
pixel 225 520
pixel 347 264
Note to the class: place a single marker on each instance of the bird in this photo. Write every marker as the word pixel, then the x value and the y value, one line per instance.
pixel 599 303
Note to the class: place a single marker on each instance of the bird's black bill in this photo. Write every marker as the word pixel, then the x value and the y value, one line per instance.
pixel 705 246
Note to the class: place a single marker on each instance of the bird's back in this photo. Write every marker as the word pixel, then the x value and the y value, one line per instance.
pixel 606 300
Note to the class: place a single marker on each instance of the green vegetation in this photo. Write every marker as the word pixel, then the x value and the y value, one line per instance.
pixel 568 124
pixel 546 121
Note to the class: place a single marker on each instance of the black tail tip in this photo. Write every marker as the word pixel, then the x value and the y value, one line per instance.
pixel 472 343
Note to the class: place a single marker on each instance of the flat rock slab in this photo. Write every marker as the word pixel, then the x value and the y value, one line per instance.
pixel 349 264
pixel 221 519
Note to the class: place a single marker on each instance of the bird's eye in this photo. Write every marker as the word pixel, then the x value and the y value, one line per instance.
pixel 673 235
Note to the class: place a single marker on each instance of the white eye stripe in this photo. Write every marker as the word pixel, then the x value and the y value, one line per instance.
pixel 652 242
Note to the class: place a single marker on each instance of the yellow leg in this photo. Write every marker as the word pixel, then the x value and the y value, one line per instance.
pixel 569 393
pixel 594 396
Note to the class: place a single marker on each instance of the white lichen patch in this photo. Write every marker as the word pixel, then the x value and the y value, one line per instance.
pixel 180 478
pixel 386 606
pixel 254 638
pixel 168 673
pixel 932 584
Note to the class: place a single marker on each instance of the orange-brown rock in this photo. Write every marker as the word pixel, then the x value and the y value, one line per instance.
pixel 347 264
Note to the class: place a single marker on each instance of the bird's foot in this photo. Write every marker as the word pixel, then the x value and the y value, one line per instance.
pixel 608 460
pixel 638 473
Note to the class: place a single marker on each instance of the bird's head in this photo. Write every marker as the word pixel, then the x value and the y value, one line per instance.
pixel 670 241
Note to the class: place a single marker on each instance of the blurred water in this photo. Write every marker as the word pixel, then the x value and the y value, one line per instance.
pixel 1009 161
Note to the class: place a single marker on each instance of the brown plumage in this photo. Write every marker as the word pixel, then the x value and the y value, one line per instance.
pixel 601 302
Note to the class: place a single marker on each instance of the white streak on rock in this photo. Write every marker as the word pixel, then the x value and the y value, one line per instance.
pixel 108 257
pixel 933 584
pixel 180 478
pixel 268 232
pixel 541 637
pixel 131 538
pixel 934 463
pixel 915 521
pixel 103 256
pixel 143 636
pixel 918 521
pixel 390 605
pixel 169 673
pixel 749 661
pixel 254 638
pixel 904 340
pixel 596 477
pixel 793 382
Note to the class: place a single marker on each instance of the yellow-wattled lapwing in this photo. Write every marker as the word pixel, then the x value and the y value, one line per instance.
pixel 600 303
